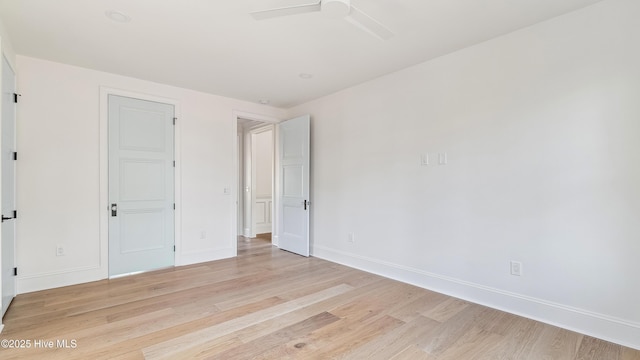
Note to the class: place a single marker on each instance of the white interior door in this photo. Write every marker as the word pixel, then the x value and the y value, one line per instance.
pixel 293 167
pixel 141 185
pixel 8 185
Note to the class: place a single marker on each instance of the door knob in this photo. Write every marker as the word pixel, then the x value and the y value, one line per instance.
pixel 114 209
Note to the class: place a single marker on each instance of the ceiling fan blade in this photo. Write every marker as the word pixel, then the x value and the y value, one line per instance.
pixel 286 11
pixel 369 24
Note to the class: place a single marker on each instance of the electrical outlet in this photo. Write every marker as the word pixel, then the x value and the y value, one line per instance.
pixel 442 158
pixel 351 237
pixel 424 159
pixel 516 268
pixel 59 250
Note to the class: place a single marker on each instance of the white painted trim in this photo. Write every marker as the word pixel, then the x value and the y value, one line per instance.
pixel 104 172
pixel 197 257
pixel 61 278
pixel 60 272
pixel 239 114
pixel 1 328
pixel 620 331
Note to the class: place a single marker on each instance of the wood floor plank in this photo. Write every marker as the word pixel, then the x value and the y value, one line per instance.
pixel 592 349
pixel 629 354
pixel 271 304
pixel 424 303
pixel 258 346
pixel 412 353
pixel 446 310
pixel 472 345
pixel 451 331
pixel 172 347
pixel 394 342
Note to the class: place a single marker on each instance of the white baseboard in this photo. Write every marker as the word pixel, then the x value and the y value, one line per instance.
pixel 1 328
pixel 601 326
pixel 196 257
pixel 263 228
pixel 50 280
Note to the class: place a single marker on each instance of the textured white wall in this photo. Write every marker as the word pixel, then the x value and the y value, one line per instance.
pixel 59 171
pixel 541 130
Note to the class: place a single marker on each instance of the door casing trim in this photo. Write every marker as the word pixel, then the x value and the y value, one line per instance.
pixel 267 120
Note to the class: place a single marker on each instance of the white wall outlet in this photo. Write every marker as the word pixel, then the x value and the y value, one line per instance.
pixel 442 158
pixel 59 250
pixel 351 237
pixel 424 159
pixel 516 268
pixel 227 191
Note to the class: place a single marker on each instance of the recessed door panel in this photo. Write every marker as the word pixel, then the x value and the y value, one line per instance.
pixel 142 179
pixel 292 178
pixel 292 144
pixel 142 130
pixel 293 224
pixel 135 233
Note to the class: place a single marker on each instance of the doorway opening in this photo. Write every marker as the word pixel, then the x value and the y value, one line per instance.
pixel 256 179
pixel 290 165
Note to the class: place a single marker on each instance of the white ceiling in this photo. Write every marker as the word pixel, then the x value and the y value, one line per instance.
pixel 215 46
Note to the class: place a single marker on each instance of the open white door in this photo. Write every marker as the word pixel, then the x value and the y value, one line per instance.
pixel 8 185
pixel 293 167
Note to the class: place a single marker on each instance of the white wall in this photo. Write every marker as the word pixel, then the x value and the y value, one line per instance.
pixel 59 175
pixel 7 46
pixel 541 129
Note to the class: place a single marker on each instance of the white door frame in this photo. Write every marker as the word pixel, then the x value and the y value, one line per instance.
pixel 234 191
pixel 104 171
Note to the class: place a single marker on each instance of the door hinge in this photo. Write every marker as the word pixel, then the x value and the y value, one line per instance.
pixel 15 214
pixel 174 120
pixel 15 271
pixel 174 206
pixel 174 163
pixel 174 248
pixel 15 155
pixel 15 97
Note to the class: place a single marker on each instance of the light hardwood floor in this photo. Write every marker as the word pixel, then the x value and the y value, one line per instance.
pixel 270 304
